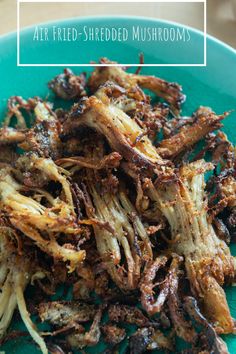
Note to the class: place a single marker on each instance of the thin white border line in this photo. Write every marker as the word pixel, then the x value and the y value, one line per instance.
pixel 205 33
pixel 73 1
pixel 18 32
pixel 99 65
pixel 105 65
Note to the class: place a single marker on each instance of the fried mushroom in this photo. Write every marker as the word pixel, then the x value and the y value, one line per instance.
pixel 68 86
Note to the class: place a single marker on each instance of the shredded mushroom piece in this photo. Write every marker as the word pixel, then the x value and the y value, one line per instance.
pixel 96 203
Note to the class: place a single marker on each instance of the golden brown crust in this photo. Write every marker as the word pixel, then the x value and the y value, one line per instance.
pixel 119 129
pixel 171 92
pixel 205 122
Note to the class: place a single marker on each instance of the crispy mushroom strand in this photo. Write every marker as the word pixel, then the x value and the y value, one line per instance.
pixel 128 314
pixel 205 121
pixel 16 106
pixel 68 85
pixel 150 117
pixel 225 185
pixel 15 273
pixel 29 215
pixel 213 343
pixel 147 295
pixel 68 317
pixel 113 334
pixel 168 292
pixel 169 91
pixel 10 135
pixel 110 161
pixel 43 136
pixel 151 305
pixel 222 186
pixel 119 232
pixel 119 129
pixel 208 260
pixel 126 234
pixel 64 314
pixel 78 340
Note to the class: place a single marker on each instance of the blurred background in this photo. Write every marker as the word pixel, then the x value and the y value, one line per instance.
pixel 221 14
